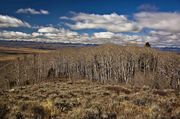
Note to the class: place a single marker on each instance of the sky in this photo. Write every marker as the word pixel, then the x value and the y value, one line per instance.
pixel 92 21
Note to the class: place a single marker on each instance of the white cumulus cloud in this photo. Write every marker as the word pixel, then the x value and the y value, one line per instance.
pixel 56 33
pixel 13 35
pixel 110 22
pixel 48 30
pixel 8 21
pixel 104 35
pixel 159 20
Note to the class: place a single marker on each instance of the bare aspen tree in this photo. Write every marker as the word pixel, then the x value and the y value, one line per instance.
pixel 104 63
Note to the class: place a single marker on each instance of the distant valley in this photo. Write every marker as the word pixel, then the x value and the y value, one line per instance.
pixel 53 45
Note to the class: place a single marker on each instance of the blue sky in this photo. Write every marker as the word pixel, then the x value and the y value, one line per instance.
pixel 91 21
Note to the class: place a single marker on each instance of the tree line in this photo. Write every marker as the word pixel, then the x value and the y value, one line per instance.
pixel 106 63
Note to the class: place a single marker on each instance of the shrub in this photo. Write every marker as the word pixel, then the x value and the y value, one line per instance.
pixel 19 115
pixel 39 112
pixel 3 111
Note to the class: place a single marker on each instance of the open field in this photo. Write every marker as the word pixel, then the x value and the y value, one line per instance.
pixel 8 53
pixel 83 99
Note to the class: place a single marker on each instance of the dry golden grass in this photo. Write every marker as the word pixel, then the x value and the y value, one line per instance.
pixel 9 54
pixel 7 58
pixel 83 99
pixel 23 50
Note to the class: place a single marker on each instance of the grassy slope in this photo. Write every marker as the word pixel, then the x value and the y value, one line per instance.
pixel 84 99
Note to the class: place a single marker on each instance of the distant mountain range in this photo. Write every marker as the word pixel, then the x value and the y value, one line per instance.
pixel 53 46
pixel 171 49
pixel 40 45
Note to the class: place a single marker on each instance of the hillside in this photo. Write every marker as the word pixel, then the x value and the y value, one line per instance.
pixel 83 99
pixel 90 59
pixel 105 63
pixel 103 82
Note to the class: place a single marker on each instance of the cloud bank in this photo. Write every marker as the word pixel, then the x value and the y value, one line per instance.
pixel 14 35
pixel 162 29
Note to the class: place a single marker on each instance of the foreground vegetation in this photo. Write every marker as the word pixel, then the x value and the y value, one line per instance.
pixel 83 99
